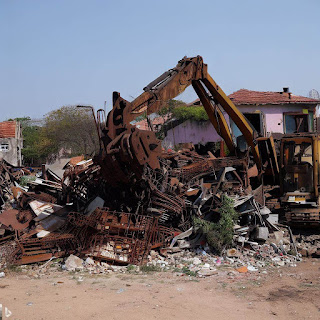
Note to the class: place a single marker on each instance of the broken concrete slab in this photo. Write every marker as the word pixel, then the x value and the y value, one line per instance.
pixel 73 263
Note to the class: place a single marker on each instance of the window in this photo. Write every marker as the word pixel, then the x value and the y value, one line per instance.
pixel 297 154
pixel 4 147
pixel 256 121
pixel 311 121
pixel 298 122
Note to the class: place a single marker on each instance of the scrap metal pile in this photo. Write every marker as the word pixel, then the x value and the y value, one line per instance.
pixel 88 215
pixel 134 196
pixel 130 199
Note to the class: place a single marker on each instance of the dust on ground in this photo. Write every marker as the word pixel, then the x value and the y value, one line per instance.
pixel 283 293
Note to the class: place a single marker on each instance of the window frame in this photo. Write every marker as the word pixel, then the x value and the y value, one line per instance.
pixel 2 149
pixel 307 115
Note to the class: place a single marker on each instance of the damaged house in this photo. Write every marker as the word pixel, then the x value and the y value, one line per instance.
pixel 11 142
pixel 275 113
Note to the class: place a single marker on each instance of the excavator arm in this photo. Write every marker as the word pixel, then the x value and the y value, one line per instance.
pixel 192 71
pixel 126 149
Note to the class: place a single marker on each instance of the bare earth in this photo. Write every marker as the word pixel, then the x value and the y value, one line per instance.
pixel 285 293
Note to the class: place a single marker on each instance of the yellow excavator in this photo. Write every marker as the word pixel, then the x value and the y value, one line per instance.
pixel 299 178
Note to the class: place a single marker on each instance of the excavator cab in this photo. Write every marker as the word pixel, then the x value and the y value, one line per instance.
pixel 299 178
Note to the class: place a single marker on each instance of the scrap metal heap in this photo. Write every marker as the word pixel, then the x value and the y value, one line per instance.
pixel 134 196
pixel 119 223
pixel 8 174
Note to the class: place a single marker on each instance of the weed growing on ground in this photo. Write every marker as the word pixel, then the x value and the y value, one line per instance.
pixel 188 272
pixel 14 268
pixel 131 268
pixel 151 268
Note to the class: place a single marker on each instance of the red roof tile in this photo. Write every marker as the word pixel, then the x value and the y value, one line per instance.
pixel 8 129
pixel 143 124
pixel 244 96
pixel 194 103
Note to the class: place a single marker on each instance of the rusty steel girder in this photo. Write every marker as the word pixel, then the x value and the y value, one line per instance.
pixel 30 250
pixel 200 168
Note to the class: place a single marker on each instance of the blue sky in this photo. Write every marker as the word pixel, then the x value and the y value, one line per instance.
pixel 56 53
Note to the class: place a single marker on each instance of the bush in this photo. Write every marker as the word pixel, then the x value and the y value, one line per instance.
pixel 24 180
pixel 190 113
pixel 220 234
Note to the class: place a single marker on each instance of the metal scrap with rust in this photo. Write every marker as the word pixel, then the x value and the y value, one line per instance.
pixel 131 197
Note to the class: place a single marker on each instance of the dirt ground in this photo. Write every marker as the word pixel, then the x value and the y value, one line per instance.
pixel 283 293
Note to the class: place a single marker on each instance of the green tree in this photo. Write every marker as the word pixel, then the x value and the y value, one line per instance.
pixel 72 128
pixel 68 128
pixel 36 145
pixel 171 105
pixel 23 121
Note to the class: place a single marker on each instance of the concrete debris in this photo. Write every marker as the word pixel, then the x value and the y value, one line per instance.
pixel 73 263
pixel 309 245
pixel 89 261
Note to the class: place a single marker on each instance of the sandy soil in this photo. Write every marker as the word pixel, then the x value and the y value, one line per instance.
pixel 286 293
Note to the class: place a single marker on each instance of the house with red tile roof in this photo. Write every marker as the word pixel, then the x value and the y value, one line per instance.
pixel 11 142
pixel 270 113
pixel 276 112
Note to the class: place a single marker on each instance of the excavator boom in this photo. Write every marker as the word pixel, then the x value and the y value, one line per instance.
pixel 192 71
pixel 125 146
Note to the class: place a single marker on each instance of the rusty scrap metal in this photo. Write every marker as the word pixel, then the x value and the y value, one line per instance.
pixel 7 180
pixel 15 219
pixel 148 195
